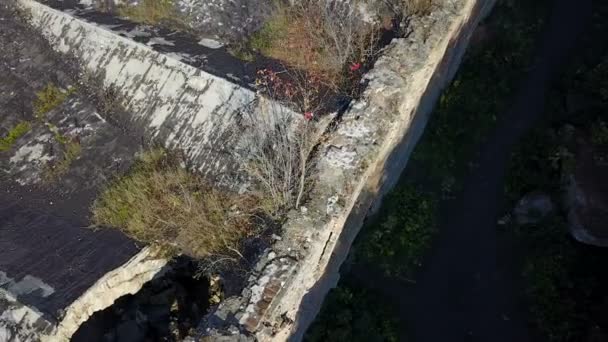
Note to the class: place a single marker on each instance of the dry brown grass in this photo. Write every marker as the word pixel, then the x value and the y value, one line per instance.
pixel 318 36
pixel 160 203
pixel 154 12
pixel 279 156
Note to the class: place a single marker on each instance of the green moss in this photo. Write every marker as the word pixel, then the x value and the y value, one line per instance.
pixel 14 134
pixel 535 165
pixel 49 98
pixel 241 52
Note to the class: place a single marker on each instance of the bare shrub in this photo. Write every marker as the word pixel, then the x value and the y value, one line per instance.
pixel 279 147
pixel 161 203
pixel 339 27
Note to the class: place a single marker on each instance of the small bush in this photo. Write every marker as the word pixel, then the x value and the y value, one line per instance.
pixel 279 152
pixel 15 133
pixel 159 202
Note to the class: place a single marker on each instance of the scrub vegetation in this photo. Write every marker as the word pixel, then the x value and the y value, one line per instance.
pixel 159 202
pixel 324 38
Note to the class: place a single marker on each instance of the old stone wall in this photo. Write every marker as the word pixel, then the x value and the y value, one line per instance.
pixel 358 164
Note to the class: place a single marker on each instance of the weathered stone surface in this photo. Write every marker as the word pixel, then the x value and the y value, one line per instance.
pixel 180 106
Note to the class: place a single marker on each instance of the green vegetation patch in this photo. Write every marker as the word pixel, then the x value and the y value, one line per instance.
pixel 154 12
pixel 397 242
pixel 329 43
pixel 352 314
pixel 273 31
pixel 49 98
pixel 159 202
pixel 71 152
pixel 14 134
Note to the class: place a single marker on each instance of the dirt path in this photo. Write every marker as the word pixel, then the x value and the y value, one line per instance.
pixel 468 288
pixel 466 291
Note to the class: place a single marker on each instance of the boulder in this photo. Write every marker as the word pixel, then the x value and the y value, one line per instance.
pixel 532 208
pixel 586 195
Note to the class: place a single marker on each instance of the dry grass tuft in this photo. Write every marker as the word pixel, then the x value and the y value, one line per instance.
pixel 319 36
pixel 159 202
pixel 72 150
pixel 154 12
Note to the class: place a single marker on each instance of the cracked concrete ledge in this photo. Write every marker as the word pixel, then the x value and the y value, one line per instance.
pixel 20 323
pixel 178 105
pixel 127 279
pixel 358 164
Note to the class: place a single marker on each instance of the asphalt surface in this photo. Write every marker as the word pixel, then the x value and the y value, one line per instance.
pixel 43 227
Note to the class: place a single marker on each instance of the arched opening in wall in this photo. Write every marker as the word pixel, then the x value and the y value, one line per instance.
pixel 165 309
